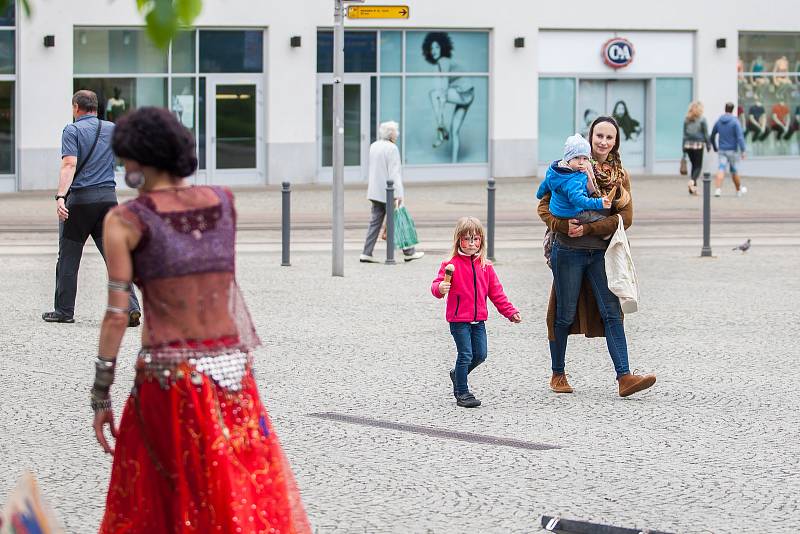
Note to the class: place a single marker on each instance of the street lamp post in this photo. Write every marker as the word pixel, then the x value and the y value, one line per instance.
pixel 338 139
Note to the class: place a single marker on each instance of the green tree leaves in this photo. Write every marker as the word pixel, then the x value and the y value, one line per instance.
pixel 163 17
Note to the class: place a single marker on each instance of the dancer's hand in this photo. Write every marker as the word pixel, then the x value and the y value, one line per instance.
pixel 516 318
pixel 101 419
pixel 444 288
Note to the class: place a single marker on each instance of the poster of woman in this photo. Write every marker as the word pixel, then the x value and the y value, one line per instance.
pixel 447 111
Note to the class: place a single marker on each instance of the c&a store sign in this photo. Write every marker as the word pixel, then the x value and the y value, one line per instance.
pixel 617 53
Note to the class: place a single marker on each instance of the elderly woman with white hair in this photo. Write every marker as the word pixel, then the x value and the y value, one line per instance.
pixel 384 164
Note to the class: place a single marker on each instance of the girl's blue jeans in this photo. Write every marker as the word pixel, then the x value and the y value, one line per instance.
pixel 470 341
pixel 570 266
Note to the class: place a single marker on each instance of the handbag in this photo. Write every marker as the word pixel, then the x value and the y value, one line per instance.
pixel 620 271
pixel 405 232
pixel 684 169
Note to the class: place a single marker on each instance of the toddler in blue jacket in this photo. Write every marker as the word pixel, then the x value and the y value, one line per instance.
pixel 570 185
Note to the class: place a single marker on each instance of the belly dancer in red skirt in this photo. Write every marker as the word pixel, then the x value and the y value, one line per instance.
pixel 195 450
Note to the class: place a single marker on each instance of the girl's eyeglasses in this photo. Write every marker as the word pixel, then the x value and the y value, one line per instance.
pixel 470 239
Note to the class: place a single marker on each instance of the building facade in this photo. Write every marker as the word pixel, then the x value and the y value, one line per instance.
pixel 478 89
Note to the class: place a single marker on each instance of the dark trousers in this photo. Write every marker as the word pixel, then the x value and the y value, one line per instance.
pixel 472 350
pixel 570 267
pixel 375 223
pixel 87 209
pixel 696 159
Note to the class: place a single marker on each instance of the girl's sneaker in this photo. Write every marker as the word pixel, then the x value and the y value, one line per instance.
pixel 467 400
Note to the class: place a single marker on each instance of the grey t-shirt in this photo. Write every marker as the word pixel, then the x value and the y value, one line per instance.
pixel 99 169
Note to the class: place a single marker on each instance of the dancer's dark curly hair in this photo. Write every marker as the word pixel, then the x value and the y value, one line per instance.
pixel 445 44
pixel 154 137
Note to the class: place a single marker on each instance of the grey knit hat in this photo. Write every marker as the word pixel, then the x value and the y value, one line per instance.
pixel 576 146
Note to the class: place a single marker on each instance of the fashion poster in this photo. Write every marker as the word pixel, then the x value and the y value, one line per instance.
pixel 446 112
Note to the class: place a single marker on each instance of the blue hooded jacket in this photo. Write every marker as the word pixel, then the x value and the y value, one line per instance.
pixel 730 134
pixel 569 193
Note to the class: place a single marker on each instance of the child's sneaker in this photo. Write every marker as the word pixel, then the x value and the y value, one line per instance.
pixel 467 400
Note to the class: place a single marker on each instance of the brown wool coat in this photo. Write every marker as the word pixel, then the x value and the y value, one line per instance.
pixel 587 319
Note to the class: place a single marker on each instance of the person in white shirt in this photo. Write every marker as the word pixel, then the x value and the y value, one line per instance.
pixel 384 164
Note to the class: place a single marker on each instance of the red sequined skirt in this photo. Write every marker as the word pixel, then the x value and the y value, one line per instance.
pixel 195 457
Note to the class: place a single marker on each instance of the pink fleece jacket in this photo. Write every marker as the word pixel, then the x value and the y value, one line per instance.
pixel 471 284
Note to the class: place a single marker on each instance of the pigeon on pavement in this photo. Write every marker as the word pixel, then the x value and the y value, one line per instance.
pixel 744 246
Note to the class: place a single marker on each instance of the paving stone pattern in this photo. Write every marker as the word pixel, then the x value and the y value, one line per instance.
pixel 713 447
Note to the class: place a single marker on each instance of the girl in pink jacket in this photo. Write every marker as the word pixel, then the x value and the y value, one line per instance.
pixel 473 279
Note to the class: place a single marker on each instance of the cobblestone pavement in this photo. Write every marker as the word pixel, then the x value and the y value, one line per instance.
pixel 713 447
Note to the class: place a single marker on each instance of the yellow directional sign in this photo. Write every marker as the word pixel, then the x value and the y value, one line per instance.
pixel 377 12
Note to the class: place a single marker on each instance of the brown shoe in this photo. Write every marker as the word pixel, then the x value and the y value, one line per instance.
pixel 630 384
pixel 559 384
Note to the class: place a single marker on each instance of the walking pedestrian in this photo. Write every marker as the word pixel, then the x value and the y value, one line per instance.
pixel 195 450
pixel 384 164
pixel 86 192
pixel 730 145
pixel 695 141
pixel 472 279
pixel 580 300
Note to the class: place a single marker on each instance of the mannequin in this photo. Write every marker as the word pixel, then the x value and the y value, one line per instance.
pixel 756 67
pixel 756 121
pixel 780 120
pixel 781 71
pixel 115 106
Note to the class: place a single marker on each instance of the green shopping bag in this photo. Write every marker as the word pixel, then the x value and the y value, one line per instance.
pixel 405 233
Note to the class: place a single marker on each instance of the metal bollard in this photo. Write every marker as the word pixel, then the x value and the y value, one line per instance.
pixel 490 220
pixel 286 195
pixel 706 251
pixel 390 222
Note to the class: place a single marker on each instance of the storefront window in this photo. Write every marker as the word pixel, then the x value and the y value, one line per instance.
pixel 8 17
pixel 768 74
pixel 447 52
pixel 440 96
pixel 392 102
pixel 391 51
pixel 556 116
pixel 99 51
pixel 673 96
pixel 7 127
pixel 183 52
pixel 182 101
pixel 231 51
pixel 117 96
pixel 360 51
pixel 7 52
pixel 447 116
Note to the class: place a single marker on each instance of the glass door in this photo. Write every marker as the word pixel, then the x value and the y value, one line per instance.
pixel 234 131
pixel 356 129
pixel 625 101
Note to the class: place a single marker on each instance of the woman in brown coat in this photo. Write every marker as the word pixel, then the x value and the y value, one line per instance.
pixel 580 301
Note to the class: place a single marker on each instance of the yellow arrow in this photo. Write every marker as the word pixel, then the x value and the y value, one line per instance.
pixel 378 12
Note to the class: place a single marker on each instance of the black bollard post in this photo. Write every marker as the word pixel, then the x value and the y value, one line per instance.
pixel 490 220
pixel 286 193
pixel 706 251
pixel 390 222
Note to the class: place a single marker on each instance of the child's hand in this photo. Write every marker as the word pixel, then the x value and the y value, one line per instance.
pixel 444 288
pixel 516 318
pixel 606 202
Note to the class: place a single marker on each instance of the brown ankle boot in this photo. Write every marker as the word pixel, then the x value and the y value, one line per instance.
pixel 559 384
pixel 630 384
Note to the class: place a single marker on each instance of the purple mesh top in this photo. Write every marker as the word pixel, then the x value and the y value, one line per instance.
pixel 185 242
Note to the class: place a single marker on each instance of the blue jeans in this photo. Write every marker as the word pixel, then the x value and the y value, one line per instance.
pixel 471 344
pixel 570 266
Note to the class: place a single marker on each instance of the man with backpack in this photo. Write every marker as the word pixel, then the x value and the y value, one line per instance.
pixel 86 192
